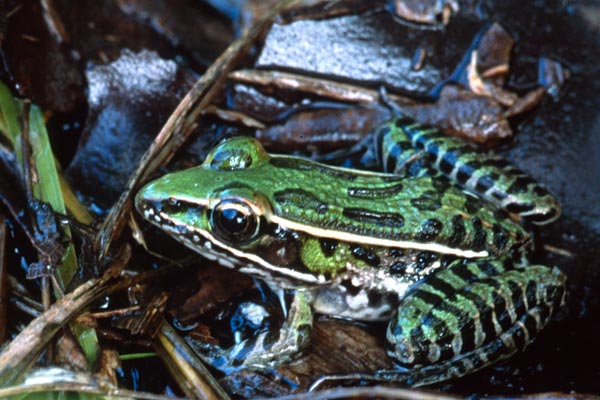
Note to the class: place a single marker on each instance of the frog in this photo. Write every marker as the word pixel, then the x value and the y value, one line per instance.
pixel 436 244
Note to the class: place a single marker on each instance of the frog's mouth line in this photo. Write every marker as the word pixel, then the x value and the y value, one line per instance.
pixel 211 248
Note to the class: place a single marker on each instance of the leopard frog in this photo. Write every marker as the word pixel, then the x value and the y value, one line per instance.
pixel 438 246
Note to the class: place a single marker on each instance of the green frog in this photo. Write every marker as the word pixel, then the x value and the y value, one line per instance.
pixel 437 245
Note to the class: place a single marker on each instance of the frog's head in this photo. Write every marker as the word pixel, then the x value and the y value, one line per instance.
pixel 215 209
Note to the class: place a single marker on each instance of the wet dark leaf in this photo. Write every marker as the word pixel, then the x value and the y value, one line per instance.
pixel 323 130
pixel 257 104
pixel 129 101
pixel 371 48
pixel 474 117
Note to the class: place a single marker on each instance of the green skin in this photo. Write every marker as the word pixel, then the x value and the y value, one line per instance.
pixel 444 260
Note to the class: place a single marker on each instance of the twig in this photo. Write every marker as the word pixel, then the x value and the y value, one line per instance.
pixel 191 375
pixel 18 356
pixel 53 21
pixel 23 350
pixel 316 86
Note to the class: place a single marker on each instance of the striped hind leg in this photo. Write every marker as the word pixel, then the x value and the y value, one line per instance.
pixel 405 147
pixel 469 316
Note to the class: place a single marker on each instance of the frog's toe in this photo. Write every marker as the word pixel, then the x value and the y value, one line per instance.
pixel 403 351
pixel 410 348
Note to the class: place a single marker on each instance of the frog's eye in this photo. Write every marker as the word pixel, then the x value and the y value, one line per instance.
pixel 234 221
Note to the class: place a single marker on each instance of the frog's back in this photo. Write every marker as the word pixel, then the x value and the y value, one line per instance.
pixel 371 205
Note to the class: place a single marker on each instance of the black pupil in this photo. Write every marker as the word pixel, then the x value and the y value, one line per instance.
pixel 233 221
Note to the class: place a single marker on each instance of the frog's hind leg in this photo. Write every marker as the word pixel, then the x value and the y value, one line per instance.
pixel 469 316
pixel 479 172
pixel 267 349
pixel 465 318
pixel 396 153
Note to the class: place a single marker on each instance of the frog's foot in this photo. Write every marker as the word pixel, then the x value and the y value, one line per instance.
pixel 469 316
pixel 266 349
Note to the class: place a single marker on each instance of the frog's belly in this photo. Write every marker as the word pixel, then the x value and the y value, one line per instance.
pixel 368 296
pixel 371 294
pixel 362 304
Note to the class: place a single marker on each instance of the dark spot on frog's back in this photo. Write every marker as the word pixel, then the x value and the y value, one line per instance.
pixel 500 238
pixel 429 230
pixel 375 192
pixel 457 225
pixel 399 148
pixel 441 184
pixel 473 204
pixel 446 166
pixel 364 216
pixel 428 201
pixel 302 199
pixel 480 235
pixel 449 160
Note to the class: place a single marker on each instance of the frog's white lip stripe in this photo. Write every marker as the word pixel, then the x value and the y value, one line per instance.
pixel 373 241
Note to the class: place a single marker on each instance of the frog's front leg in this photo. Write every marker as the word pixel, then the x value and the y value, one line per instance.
pixel 267 349
pixel 469 316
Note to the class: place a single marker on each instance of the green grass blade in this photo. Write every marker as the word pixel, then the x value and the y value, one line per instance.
pixel 9 123
pixel 47 188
